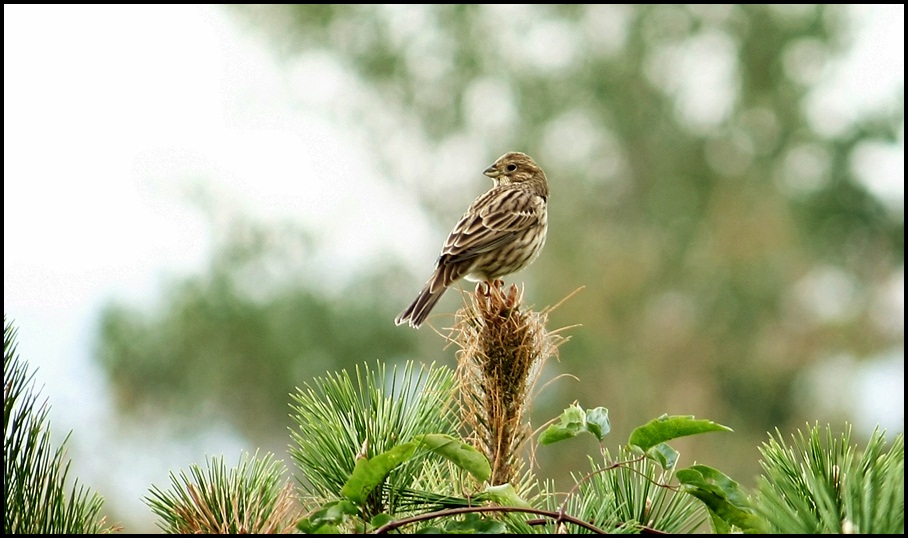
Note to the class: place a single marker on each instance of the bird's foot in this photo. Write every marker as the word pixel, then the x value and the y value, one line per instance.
pixel 496 300
pixel 483 289
pixel 511 298
pixel 486 288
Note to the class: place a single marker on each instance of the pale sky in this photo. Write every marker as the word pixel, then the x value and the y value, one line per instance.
pixel 106 128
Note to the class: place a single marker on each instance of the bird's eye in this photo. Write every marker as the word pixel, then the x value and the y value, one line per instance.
pixel 511 167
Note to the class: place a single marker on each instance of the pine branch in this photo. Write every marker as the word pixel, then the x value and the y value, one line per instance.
pixel 35 474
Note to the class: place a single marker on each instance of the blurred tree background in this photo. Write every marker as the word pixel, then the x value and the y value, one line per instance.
pixel 714 214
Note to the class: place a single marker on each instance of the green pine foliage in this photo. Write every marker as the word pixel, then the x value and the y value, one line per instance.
pixel 35 495
pixel 380 450
pixel 820 483
pixel 253 498
pixel 342 418
pixel 627 496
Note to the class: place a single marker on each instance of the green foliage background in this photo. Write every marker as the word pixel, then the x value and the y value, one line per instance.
pixel 691 201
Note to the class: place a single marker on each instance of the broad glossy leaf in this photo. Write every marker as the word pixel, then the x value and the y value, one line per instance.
pixel 666 428
pixel 461 454
pixel 503 494
pixel 664 455
pixel 573 421
pixel 368 473
pixel 721 495
pixel 597 422
pixel 476 524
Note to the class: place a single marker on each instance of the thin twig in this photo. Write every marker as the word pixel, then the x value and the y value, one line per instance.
pixel 390 526
pixel 614 465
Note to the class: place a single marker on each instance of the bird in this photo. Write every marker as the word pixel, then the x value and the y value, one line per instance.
pixel 501 232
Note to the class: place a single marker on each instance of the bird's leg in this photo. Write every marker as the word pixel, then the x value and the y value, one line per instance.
pixel 499 289
pixel 494 287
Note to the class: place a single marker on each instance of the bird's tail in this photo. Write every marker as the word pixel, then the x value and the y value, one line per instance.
pixel 420 308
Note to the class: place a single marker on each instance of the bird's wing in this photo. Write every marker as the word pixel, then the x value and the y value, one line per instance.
pixel 492 220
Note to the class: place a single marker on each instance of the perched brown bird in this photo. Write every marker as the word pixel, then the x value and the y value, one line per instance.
pixel 501 233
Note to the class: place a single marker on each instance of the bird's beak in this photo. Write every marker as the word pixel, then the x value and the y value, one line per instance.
pixel 492 172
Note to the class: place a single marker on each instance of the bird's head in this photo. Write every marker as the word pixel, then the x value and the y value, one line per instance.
pixel 514 167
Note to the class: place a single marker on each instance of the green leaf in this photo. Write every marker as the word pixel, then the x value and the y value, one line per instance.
pixel 573 421
pixel 380 520
pixel 504 495
pixel 719 525
pixel 305 526
pixel 597 422
pixel 368 473
pixel 459 453
pixel 666 428
pixel 326 519
pixel 333 512
pixel 476 524
pixel 722 496
pixel 663 454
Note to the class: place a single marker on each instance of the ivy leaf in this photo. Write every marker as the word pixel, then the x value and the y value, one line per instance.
pixel 504 495
pixel 666 428
pixel 574 421
pixel 664 455
pixel 326 519
pixel 459 453
pixel 475 524
pixel 727 503
pixel 368 473
pixel 380 520
pixel 597 422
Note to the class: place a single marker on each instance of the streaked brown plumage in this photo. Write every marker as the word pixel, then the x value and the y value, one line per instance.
pixel 501 233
